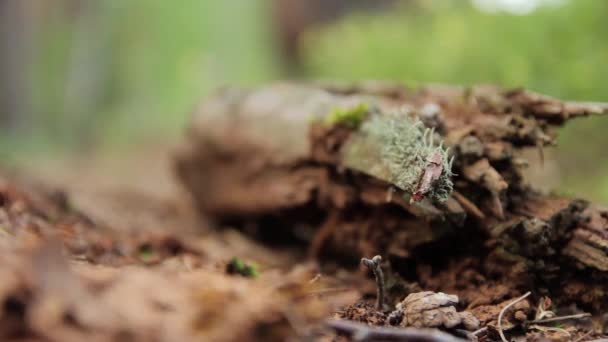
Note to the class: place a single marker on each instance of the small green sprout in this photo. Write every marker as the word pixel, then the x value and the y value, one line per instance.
pixel 146 253
pixel 351 117
pixel 238 266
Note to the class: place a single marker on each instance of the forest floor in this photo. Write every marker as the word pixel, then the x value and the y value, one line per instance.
pixel 115 250
pixel 112 250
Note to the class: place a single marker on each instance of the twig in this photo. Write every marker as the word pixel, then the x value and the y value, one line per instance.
pixel 544 329
pixel 363 332
pixel 502 312
pixel 560 318
pixel 468 206
pixel 538 321
pixel 374 265
pixel 584 336
pixel 330 290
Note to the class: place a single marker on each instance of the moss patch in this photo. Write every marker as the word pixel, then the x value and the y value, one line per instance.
pixel 238 266
pixel 146 253
pixel 351 117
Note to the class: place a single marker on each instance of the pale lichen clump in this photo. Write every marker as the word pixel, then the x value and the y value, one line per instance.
pixel 408 151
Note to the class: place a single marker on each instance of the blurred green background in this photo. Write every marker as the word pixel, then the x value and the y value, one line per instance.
pixel 84 76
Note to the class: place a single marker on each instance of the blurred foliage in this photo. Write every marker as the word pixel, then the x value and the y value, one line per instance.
pixel 557 50
pixel 145 65
pixel 119 71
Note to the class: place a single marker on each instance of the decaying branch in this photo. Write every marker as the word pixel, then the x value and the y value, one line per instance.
pixel 288 156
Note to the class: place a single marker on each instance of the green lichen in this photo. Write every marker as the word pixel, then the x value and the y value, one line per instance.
pixel 351 117
pixel 238 266
pixel 405 146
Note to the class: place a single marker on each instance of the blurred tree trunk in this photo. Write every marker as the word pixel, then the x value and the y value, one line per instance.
pixel 86 70
pixel 294 17
pixel 16 22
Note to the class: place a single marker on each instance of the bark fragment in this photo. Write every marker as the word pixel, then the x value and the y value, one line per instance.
pixel 589 244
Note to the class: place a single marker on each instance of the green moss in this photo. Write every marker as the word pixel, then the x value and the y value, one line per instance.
pixel 406 146
pixel 146 253
pixel 351 117
pixel 238 266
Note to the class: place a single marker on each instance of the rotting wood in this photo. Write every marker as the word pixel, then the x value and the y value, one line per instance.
pixel 265 154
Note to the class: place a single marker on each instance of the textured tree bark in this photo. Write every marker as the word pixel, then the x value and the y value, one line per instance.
pixel 268 156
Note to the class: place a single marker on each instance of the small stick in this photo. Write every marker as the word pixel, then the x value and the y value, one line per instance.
pixel 560 318
pixel 584 336
pixel 560 330
pixel 329 290
pixel 502 312
pixel 363 332
pixel 469 206
pixel 374 265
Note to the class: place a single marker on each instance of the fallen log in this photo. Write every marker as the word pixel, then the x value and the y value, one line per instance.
pixel 384 170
